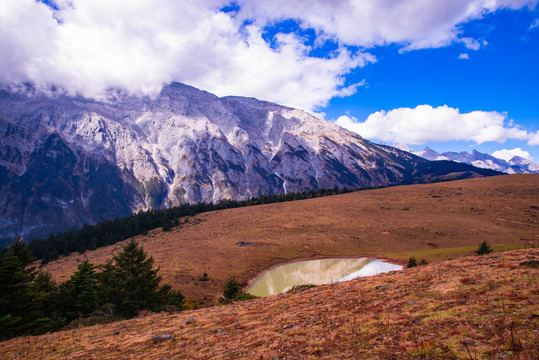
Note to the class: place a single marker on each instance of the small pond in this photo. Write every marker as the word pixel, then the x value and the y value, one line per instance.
pixel 317 272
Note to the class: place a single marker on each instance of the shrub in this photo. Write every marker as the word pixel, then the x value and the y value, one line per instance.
pixel 232 292
pixel 483 249
pixel 411 263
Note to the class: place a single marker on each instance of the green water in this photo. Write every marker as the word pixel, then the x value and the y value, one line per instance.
pixel 317 272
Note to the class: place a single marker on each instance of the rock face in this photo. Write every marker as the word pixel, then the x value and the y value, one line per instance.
pixel 67 161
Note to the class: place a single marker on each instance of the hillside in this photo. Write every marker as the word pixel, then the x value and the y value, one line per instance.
pixel 68 161
pixel 416 220
pixel 474 307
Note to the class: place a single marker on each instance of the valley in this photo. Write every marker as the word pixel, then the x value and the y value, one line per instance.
pixel 432 221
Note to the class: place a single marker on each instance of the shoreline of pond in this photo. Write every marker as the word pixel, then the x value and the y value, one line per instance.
pixel 272 267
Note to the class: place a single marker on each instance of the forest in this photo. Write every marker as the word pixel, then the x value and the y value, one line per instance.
pixel 32 303
pixel 109 232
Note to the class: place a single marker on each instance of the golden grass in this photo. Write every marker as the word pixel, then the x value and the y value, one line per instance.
pixel 451 253
pixel 432 221
pixel 486 306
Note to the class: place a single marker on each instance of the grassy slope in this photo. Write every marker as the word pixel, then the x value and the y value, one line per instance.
pixel 487 305
pixel 419 220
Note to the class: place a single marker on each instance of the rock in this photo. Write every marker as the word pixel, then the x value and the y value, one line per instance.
pixel 411 302
pixel 190 321
pixel 162 337
pixel 289 326
pixel 244 243
pixel 380 287
pixel 182 146
pixel 533 264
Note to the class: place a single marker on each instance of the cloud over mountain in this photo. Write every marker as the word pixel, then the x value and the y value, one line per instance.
pixel 88 46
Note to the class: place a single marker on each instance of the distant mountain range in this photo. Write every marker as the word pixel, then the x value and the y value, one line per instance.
pixel 66 161
pixel 516 165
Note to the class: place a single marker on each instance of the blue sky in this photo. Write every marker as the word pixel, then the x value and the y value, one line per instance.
pixel 501 76
pixel 457 75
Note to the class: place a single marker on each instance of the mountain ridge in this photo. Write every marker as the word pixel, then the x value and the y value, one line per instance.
pixel 66 161
pixel 515 165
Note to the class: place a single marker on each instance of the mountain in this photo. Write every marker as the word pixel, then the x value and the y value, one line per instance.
pixel 517 165
pixel 66 160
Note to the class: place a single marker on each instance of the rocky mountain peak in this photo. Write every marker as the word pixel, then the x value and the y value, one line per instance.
pixel 66 160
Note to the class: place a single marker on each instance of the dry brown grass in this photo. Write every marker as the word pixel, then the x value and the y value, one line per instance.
pixel 393 221
pixel 475 307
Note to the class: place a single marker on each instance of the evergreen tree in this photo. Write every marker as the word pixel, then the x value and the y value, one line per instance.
pixel 22 252
pixel 130 282
pixel 83 290
pixel 51 301
pixel 171 297
pixel 20 310
pixel 231 291
pixel 483 249
pixel 411 262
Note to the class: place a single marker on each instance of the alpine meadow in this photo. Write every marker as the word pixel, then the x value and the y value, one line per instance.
pixel 308 179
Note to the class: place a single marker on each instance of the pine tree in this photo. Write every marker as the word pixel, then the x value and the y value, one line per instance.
pixel 83 290
pixel 411 262
pixel 483 249
pixel 20 310
pixel 51 301
pixel 22 252
pixel 231 291
pixel 130 282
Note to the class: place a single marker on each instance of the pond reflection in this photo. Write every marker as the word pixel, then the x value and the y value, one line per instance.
pixel 317 272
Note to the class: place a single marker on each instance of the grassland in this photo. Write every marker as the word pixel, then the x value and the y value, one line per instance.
pixel 476 307
pixel 434 221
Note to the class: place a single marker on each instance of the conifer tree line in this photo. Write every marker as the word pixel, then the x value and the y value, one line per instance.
pixel 91 237
pixel 32 303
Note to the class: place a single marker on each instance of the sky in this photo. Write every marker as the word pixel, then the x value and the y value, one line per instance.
pixel 454 75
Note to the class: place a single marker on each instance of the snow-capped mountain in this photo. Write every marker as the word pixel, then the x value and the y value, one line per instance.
pixel 67 161
pixel 516 165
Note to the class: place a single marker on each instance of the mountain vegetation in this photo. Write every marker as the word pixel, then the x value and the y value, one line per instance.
pixel 91 237
pixel 474 307
pixel 429 222
pixel 484 248
pixel 32 303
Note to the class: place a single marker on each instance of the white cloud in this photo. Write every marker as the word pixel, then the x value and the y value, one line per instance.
pixel 89 45
pixel 425 124
pixel 534 24
pixel 534 140
pixel 415 24
pixel 139 46
pixel 506 154
pixel 464 56
pixel 471 44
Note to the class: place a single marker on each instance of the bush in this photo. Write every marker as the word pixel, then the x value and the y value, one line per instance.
pixel 411 262
pixel 232 292
pixel 483 249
